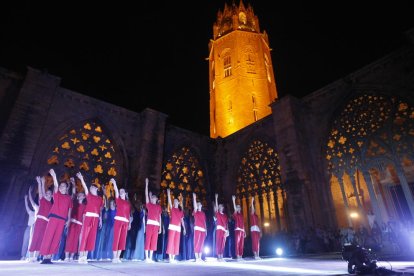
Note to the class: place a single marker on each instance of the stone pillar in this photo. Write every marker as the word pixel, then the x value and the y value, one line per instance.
pixel 372 196
pixel 341 185
pixel 276 201
pixel 248 202
pixel 262 218
pixel 285 210
pixel 406 189
pixel 360 207
pixel 151 148
pixel 269 207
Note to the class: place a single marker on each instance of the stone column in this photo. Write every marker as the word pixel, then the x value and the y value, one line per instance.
pixel 360 207
pixel 151 147
pixel 262 218
pixel 269 207
pixel 276 201
pixel 405 187
pixel 285 210
pixel 341 185
pixel 248 201
pixel 372 196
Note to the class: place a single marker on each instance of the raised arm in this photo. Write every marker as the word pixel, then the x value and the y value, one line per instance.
pixel 216 203
pixel 252 206
pixel 80 176
pixel 115 187
pixel 146 191
pixel 28 210
pixel 181 201
pixel 183 225
pixel 55 182
pixel 169 198
pixel 43 185
pixel 233 198
pixel 194 202
pixel 34 205
pixel 73 183
pixel 40 187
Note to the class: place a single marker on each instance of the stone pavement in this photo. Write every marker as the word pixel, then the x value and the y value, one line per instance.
pixel 328 264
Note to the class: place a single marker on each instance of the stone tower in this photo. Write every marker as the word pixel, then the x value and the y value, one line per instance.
pixel 242 83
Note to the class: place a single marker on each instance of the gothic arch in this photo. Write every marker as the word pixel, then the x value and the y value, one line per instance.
pixel 183 174
pixel 371 136
pixel 65 149
pixel 259 177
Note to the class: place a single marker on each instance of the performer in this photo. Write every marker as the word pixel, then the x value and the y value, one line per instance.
pixel 122 222
pixel 28 232
pixel 221 229
pixel 152 228
pixel 174 228
pixel 239 233
pixel 91 221
pixel 200 228
pixel 255 231
pixel 58 219
pixel 75 227
pixel 42 211
pixel 106 235
pixel 139 243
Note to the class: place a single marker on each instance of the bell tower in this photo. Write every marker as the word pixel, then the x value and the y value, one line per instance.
pixel 242 83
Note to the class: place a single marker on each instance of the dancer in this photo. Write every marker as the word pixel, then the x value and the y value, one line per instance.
pixel 239 233
pixel 91 221
pixel 139 243
pixel 221 229
pixel 42 211
pixel 28 232
pixel 255 231
pixel 58 219
pixel 200 228
pixel 122 222
pixel 106 235
pixel 174 228
pixel 75 227
pixel 152 228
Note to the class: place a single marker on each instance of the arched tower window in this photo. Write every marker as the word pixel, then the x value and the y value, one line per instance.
pixel 370 159
pixel 259 177
pixel 227 65
pixel 88 149
pixel 182 174
pixel 267 64
pixel 250 59
pixel 213 75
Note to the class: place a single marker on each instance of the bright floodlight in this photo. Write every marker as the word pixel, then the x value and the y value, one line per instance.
pixel 266 224
pixel 206 249
pixel 354 215
pixel 279 251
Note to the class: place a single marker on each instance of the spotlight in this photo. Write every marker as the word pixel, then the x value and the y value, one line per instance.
pixel 206 250
pixel 354 215
pixel 279 251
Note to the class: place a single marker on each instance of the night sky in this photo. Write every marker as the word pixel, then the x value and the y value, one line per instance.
pixel 153 55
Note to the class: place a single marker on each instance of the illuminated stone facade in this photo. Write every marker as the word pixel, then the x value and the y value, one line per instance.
pixel 310 162
pixel 242 82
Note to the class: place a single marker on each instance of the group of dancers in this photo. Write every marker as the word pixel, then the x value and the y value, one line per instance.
pixel 81 214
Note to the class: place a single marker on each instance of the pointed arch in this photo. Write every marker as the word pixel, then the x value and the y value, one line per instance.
pixel 371 138
pixel 87 147
pixel 183 174
pixel 259 177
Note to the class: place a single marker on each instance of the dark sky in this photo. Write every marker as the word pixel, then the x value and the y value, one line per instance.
pixel 152 53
